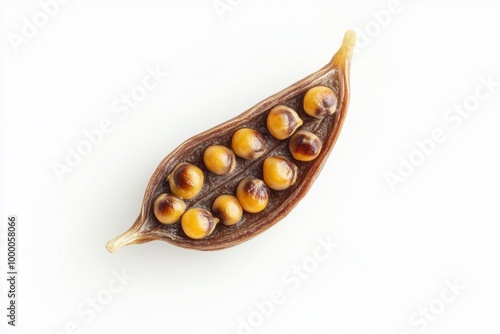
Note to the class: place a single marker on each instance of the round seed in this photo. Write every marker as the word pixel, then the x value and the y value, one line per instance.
pixel 248 143
pixel 227 209
pixel 219 159
pixel 198 223
pixel 282 122
pixel 253 194
pixel 304 145
pixel 279 172
pixel 186 180
pixel 320 101
pixel 168 208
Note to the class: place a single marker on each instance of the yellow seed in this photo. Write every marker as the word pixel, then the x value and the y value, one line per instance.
pixel 282 122
pixel 186 180
pixel 227 209
pixel 219 159
pixel 248 143
pixel 168 208
pixel 279 172
pixel 304 145
pixel 198 223
pixel 320 101
pixel 253 194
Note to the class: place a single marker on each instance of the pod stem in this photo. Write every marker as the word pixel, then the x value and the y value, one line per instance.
pixel 343 56
pixel 128 237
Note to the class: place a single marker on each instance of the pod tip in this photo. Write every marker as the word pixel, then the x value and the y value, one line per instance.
pixel 127 238
pixel 344 54
pixel 349 41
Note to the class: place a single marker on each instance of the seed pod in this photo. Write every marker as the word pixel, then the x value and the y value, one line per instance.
pixel 253 194
pixel 168 208
pixel 304 146
pixel 320 101
pixel 282 121
pixel 279 172
pixel 186 180
pixel 219 159
pixel 248 143
pixel 227 209
pixel 198 223
pixel 147 227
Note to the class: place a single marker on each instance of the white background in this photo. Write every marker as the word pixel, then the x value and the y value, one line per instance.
pixel 397 247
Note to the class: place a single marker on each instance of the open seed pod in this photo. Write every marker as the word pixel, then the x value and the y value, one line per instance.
pixel 326 110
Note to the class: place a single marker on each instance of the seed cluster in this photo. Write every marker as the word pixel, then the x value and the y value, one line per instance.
pixel 252 194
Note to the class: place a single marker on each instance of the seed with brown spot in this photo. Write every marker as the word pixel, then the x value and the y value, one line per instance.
pixel 253 194
pixel 219 159
pixel 279 172
pixel 227 209
pixel 320 101
pixel 248 143
pixel 168 208
pixel 304 145
pixel 282 121
pixel 198 223
pixel 186 180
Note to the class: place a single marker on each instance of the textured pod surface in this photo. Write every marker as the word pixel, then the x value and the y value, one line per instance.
pixel 334 75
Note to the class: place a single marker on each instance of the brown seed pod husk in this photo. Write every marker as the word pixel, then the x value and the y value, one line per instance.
pixel 334 75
